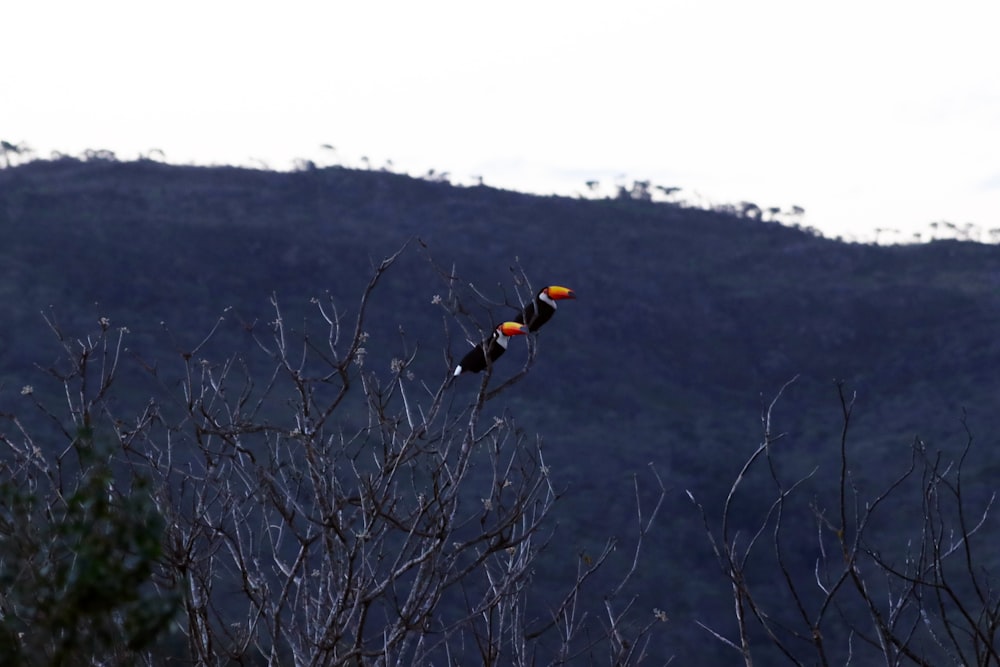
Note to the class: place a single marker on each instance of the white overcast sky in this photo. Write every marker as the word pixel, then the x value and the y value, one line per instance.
pixel 866 113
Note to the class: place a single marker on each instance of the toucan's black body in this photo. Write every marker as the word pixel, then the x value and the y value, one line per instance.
pixel 541 309
pixel 475 359
pixel 536 314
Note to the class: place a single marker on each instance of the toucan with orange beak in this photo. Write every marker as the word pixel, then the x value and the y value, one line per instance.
pixel 475 360
pixel 543 306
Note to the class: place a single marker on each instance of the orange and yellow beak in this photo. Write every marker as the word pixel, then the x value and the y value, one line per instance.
pixel 513 329
pixel 557 292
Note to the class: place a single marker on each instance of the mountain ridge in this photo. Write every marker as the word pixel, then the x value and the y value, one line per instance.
pixel 686 323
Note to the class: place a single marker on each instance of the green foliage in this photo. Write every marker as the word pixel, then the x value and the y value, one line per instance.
pixel 76 565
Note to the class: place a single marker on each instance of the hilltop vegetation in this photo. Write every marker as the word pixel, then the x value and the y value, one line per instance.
pixel 688 322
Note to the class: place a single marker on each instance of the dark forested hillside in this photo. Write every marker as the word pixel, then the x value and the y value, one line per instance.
pixel 686 323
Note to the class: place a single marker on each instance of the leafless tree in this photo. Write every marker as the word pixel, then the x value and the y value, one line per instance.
pixel 668 191
pixel 868 597
pixel 318 511
pixel 12 153
pixel 750 211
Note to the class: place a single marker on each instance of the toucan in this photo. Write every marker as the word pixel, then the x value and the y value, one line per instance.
pixel 543 306
pixel 475 360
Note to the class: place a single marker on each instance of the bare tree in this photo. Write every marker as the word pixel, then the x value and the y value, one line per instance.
pixel 99 155
pixel 79 543
pixel 321 512
pixel 750 211
pixel 640 191
pixel 12 153
pixel 866 598
pixel 668 191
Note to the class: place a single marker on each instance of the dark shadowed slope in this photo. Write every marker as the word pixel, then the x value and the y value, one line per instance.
pixel 684 320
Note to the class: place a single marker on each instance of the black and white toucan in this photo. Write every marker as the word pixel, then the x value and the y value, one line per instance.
pixel 475 360
pixel 543 306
